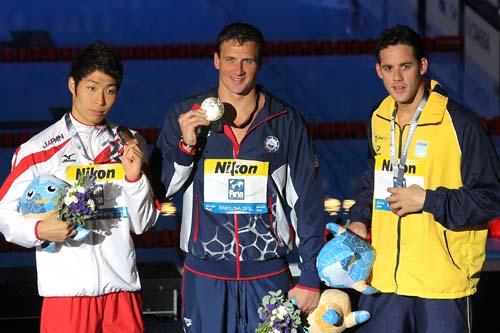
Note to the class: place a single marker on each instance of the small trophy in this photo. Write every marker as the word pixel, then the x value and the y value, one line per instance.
pixel 213 107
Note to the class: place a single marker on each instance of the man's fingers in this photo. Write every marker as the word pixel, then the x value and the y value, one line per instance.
pixel 392 199
pixel 191 115
pixel 131 153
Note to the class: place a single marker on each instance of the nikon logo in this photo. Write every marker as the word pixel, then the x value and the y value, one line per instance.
pixel 235 169
pixel 99 174
pixel 386 166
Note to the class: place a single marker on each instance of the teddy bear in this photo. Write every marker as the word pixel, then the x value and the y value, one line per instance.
pixel 333 314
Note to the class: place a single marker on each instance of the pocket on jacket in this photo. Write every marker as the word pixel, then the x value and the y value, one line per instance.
pixel 448 249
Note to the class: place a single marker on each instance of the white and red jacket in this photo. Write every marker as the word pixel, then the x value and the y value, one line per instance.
pixel 105 261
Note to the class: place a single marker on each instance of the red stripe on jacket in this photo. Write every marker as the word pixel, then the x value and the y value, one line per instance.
pixel 26 163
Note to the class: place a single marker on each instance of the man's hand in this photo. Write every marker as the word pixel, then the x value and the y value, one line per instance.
pixel 306 300
pixel 359 229
pixel 54 230
pixel 132 159
pixel 190 123
pixel 407 200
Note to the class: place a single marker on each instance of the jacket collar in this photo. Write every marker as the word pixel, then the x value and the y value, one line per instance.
pixel 272 107
pixel 433 111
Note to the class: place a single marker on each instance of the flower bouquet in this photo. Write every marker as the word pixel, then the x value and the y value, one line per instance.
pixel 279 315
pixel 47 196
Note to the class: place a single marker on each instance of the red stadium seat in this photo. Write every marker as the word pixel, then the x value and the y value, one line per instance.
pixel 6 55
pixel 340 130
pixel 208 50
pixel 311 47
pixel 356 46
pixel 325 131
pixel 64 53
pixel 341 47
pixel 181 51
pixel 21 54
pixel 326 47
pixel 153 52
pixel 164 238
pixel 167 51
pixel 139 52
pixel 269 49
pixel 357 130
pixel 195 50
pixel 148 239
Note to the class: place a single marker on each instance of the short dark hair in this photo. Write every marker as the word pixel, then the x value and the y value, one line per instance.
pixel 242 33
pixel 97 57
pixel 400 34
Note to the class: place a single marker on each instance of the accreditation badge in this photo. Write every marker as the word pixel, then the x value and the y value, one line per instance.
pixel 234 186
pixel 384 178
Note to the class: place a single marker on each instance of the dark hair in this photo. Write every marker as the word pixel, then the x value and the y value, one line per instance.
pixel 242 33
pixel 400 34
pixel 97 57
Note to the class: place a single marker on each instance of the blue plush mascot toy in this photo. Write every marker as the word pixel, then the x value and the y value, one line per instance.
pixel 39 200
pixel 346 261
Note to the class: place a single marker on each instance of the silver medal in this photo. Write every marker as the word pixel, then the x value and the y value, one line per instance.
pixel 213 107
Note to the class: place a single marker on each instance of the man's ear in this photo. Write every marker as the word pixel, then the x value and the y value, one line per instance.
pixel 216 61
pixel 72 86
pixel 379 70
pixel 424 66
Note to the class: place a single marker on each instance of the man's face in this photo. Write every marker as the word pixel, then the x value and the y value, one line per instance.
pixel 401 72
pixel 93 98
pixel 237 65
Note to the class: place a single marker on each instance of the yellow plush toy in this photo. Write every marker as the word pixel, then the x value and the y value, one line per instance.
pixel 333 313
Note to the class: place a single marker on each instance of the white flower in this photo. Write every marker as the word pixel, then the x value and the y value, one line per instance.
pixel 80 189
pixel 91 204
pixel 68 200
pixel 279 313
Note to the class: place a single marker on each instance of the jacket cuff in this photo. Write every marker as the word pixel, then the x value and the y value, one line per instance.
pixel 135 184
pixel 361 214
pixel 36 230
pixel 183 156
pixel 309 280
pixel 133 180
pixel 187 150
pixel 431 198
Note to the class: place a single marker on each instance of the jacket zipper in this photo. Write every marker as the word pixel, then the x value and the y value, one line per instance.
pixel 396 267
pixel 196 217
pixel 236 150
pixel 228 131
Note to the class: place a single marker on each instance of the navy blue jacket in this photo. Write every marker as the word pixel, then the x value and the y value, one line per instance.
pixel 248 246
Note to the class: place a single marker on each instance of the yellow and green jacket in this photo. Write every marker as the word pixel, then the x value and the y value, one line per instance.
pixel 438 252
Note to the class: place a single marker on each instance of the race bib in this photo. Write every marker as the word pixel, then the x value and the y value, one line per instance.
pixel 384 178
pixel 235 186
pixel 106 193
